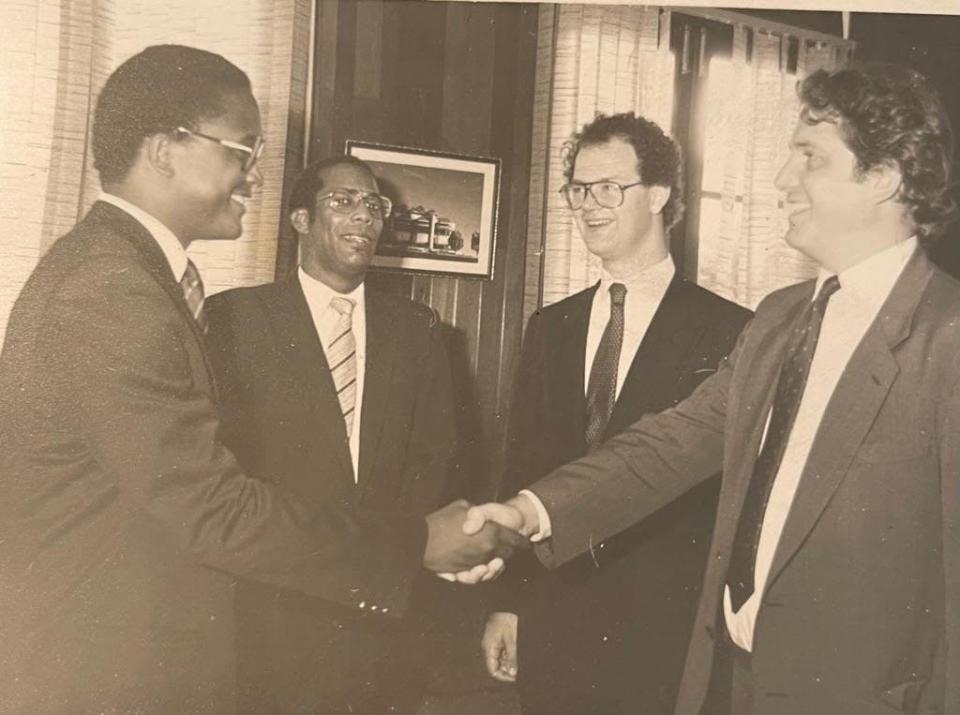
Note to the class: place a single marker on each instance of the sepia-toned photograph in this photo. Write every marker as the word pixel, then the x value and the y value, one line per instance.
pixel 458 357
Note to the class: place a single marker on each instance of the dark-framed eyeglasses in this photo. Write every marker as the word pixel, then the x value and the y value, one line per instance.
pixel 251 154
pixel 608 194
pixel 345 201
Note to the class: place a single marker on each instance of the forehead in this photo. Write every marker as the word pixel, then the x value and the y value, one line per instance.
pixel 614 159
pixel 240 117
pixel 346 176
pixel 823 135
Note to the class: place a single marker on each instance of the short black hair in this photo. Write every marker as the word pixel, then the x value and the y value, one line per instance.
pixel 658 156
pixel 309 182
pixel 891 114
pixel 154 92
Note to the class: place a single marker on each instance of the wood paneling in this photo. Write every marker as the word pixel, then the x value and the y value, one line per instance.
pixel 452 77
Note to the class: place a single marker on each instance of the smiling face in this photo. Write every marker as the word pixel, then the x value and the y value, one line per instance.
pixel 631 235
pixel 336 248
pixel 834 210
pixel 210 187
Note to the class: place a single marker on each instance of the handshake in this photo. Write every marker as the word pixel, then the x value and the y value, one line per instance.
pixel 469 544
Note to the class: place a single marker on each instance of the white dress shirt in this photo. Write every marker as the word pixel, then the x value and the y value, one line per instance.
pixel 325 318
pixel 850 312
pixel 645 291
pixel 172 249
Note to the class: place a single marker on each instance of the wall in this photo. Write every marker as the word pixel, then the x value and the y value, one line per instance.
pixel 450 77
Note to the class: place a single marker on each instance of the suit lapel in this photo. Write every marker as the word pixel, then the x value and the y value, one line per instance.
pixel 306 363
pixel 157 265
pixel 383 354
pixel 568 383
pixel 659 356
pixel 852 409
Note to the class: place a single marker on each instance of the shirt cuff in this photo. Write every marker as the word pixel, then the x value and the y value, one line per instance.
pixel 545 531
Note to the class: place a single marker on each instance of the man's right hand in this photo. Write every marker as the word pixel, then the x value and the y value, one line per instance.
pixel 451 550
pixel 499 645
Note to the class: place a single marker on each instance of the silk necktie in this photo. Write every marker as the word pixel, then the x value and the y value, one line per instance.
pixel 602 386
pixel 786 401
pixel 192 287
pixel 342 358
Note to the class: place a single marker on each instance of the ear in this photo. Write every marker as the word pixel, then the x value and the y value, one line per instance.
pixel 157 151
pixel 885 181
pixel 658 197
pixel 300 218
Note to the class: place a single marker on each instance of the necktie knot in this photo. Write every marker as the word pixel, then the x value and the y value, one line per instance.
pixel 829 287
pixel 344 306
pixel 618 293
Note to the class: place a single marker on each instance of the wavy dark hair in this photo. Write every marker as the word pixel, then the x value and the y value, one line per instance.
pixel 154 92
pixel 890 114
pixel 658 156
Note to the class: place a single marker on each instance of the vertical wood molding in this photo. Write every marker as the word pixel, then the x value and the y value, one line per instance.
pixel 368 49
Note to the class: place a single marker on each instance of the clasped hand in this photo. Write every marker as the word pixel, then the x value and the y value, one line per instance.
pixel 469 544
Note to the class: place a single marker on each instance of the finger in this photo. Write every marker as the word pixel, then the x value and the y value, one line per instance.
pixel 491 659
pixel 504 676
pixel 494 569
pixel 502 514
pixel 472 575
pixel 447 576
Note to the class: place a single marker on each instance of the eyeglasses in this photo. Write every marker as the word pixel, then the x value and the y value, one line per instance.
pixel 608 194
pixel 345 201
pixel 251 153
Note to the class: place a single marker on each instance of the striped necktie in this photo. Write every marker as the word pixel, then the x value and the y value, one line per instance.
pixel 342 358
pixel 192 287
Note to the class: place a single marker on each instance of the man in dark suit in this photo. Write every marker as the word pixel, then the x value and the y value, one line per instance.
pixel 833 584
pixel 583 647
pixel 124 522
pixel 276 357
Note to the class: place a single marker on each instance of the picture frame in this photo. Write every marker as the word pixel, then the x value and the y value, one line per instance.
pixel 444 217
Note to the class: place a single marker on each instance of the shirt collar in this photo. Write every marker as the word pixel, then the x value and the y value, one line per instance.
pixel 872 279
pixel 320 294
pixel 172 249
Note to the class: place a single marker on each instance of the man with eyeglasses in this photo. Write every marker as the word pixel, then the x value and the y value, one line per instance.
pixel 125 522
pixel 341 393
pixel 638 341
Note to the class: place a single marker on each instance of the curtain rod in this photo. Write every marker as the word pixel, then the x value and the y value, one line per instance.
pixel 778 28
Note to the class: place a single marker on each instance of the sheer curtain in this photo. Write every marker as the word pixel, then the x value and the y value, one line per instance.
pixel 751 106
pixel 591 58
pixel 55 57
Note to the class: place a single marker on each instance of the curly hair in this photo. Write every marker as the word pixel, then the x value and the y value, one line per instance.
pixel 890 114
pixel 658 156
pixel 309 182
pixel 154 92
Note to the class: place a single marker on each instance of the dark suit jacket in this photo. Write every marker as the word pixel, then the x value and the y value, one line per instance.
pixel 861 612
pixel 124 520
pixel 281 417
pixel 608 632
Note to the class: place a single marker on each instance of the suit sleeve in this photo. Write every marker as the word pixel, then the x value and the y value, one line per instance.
pixel 121 351
pixel 642 469
pixel 950 503
pixel 432 450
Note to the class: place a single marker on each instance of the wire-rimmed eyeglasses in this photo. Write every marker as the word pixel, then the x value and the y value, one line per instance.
pixel 345 201
pixel 251 154
pixel 608 194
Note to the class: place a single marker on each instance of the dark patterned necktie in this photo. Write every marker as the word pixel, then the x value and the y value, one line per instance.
pixel 790 386
pixel 192 287
pixel 342 358
pixel 602 386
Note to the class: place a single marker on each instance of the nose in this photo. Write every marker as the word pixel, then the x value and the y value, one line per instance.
pixel 361 213
pixel 254 177
pixel 786 178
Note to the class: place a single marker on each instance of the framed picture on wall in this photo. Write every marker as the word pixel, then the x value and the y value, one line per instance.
pixel 444 216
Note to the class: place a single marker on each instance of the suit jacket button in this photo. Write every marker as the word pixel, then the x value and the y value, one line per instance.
pixel 363 604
